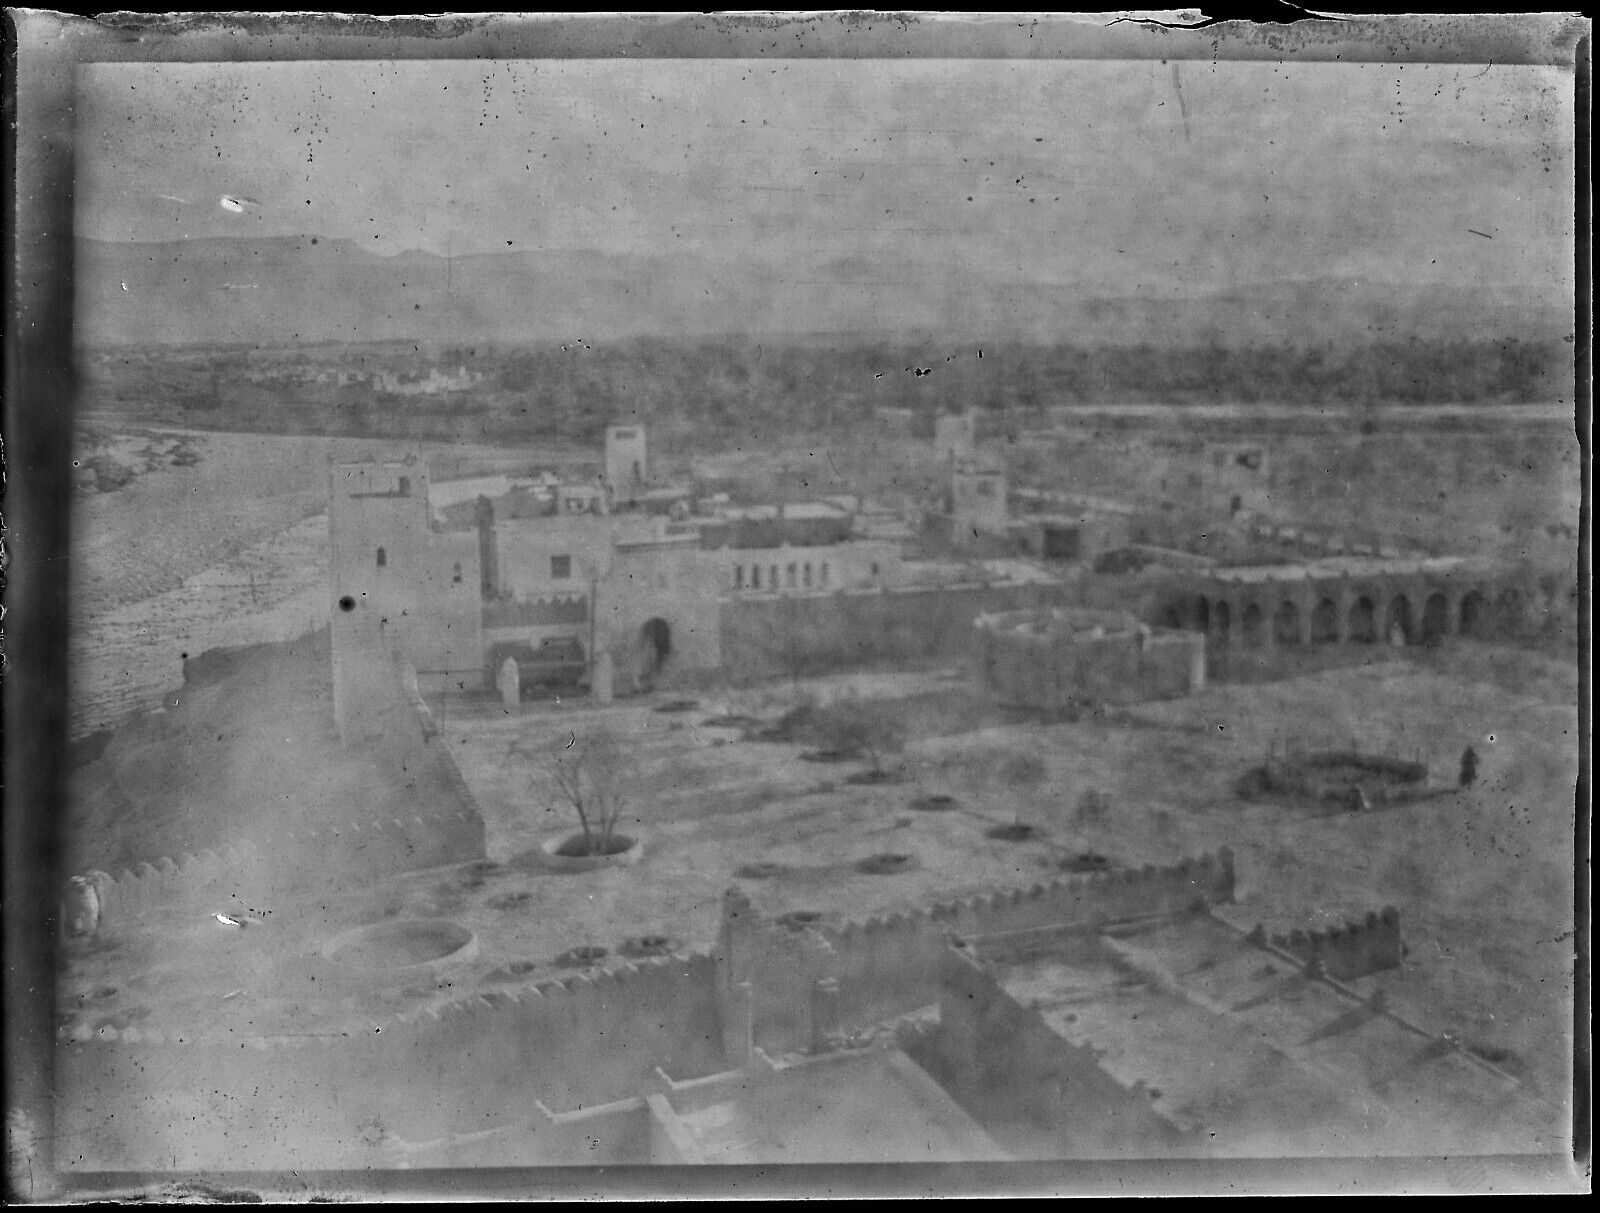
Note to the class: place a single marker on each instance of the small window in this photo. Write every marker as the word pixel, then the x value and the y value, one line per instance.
pixel 874 568
pixel 383 558
pixel 405 486
pixel 824 572
pixel 772 580
pixel 755 576
pixel 738 576
pixel 793 574
pixel 457 576
pixel 805 575
pixel 560 568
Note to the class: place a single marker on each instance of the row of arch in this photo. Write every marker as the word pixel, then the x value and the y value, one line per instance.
pixel 799 576
pixel 1371 616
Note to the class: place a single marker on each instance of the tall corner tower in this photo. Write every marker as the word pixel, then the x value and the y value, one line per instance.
pixel 378 537
pixel 627 461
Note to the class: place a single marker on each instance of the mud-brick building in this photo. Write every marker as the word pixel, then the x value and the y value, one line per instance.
pixel 1060 657
pixel 398 585
pixel 1352 600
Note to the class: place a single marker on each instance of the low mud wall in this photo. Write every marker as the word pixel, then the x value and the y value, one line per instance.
pixel 1035 1093
pixel 790 635
pixel 1348 952
pixel 889 965
pixel 161 1096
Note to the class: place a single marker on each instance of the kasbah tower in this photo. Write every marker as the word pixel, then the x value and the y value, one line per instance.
pixel 403 593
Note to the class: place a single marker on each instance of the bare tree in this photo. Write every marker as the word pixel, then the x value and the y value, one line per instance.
pixel 590 773
pixel 855 727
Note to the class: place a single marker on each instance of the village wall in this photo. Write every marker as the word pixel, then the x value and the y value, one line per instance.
pixel 1348 952
pixel 777 636
pixel 473 1064
pixel 1124 665
pixel 889 965
pixel 249 878
pixel 1036 1093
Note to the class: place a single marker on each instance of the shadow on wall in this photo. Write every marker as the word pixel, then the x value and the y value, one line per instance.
pixel 1036 1094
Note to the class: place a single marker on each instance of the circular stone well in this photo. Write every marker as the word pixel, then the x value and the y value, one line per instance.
pixel 415 943
pixel 1339 776
pixel 567 854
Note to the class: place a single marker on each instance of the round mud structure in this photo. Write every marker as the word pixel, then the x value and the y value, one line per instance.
pixel 886 864
pixel 416 943
pixel 799 920
pixel 1017 831
pixel 1345 777
pixel 647 945
pixel 678 705
pixel 571 854
pixel 760 871
pixel 829 756
pixel 1086 861
pixel 875 778
pixel 579 958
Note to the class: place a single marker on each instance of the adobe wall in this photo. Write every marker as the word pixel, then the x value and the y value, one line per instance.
pixel 1348 952
pixel 1126 665
pixel 248 878
pixel 1036 1093
pixel 128 1098
pixel 889 965
pixel 770 637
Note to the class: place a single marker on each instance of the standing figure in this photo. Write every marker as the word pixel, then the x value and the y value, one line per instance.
pixel 1469 767
pixel 80 908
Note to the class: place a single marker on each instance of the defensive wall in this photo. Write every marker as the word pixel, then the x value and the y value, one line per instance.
pixel 249 877
pixel 770 636
pixel 1047 659
pixel 1035 1093
pixel 479 1062
pixel 1345 953
pixel 1354 601
pixel 889 965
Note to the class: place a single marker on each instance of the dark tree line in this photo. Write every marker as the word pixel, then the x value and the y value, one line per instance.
pixel 718 389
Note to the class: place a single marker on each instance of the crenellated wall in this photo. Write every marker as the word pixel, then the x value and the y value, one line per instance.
pixel 248 877
pixel 768 636
pixel 889 965
pixel 1348 952
pixel 1035 1093
pixel 477 1063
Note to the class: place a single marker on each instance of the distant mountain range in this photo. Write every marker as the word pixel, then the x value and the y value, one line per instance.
pixel 284 290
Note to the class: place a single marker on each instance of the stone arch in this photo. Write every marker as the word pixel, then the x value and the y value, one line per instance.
pixel 1363 621
pixel 1325 622
pixel 1221 621
pixel 1435 618
pixel 1397 624
pixel 1474 613
pixel 1250 622
pixel 655 646
pixel 1286 624
pixel 1172 615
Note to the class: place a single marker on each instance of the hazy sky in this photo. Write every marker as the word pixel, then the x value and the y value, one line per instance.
pixel 1119 174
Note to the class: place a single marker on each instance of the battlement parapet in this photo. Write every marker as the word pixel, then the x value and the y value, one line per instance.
pixel 1345 953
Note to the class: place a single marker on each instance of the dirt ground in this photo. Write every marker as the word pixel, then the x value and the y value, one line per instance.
pixel 1482 878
